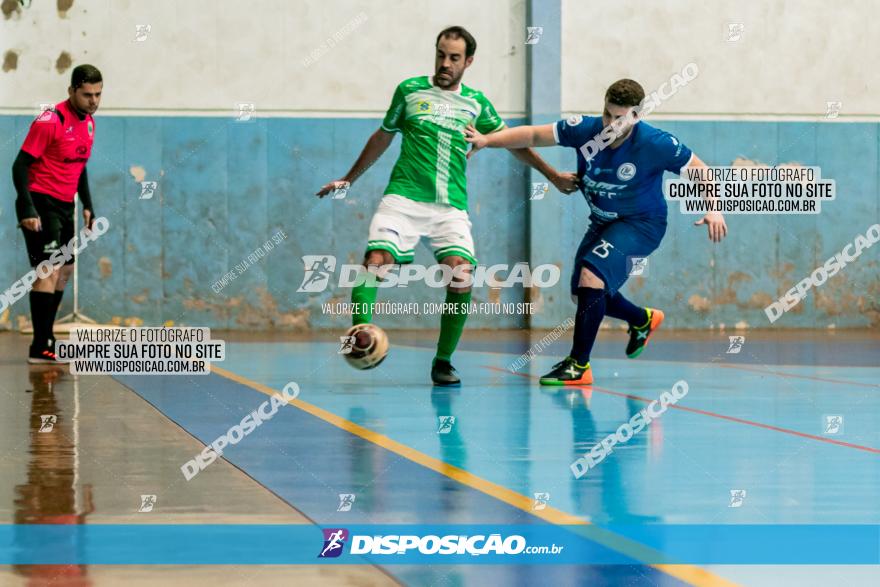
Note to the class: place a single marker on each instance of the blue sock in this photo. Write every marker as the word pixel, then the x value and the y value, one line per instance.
pixel 621 308
pixel 591 309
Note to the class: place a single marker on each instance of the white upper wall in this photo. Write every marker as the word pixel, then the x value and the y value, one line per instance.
pixel 207 55
pixel 792 58
pixel 211 54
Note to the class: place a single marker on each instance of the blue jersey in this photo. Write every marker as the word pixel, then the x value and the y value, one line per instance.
pixel 628 180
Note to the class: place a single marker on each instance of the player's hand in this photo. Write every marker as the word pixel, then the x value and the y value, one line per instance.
pixel 339 184
pixel 565 182
pixel 477 139
pixel 716 225
pixel 32 224
pixel 88 218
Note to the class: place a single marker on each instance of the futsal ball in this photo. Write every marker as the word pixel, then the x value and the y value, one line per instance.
pixel 368 346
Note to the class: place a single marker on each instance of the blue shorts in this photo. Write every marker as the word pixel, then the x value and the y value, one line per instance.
pixel 609 247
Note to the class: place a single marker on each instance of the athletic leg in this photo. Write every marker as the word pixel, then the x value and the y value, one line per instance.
pixel 392 238
pixel 601 268
pixel 450 238
pixel 588 318
pixel 40 246
pixel 588 291
pixel 452 320
pixel 621 308
pixel 63 274
pixel 641 238
pixel 363 296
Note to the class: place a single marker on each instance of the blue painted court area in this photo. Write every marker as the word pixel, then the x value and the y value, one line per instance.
pixel 748 444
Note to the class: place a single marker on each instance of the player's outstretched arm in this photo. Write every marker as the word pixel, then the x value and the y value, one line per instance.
pixel 518 137
pixel 518 141
pixel 563 181
pixel 714 221
pixel 377 144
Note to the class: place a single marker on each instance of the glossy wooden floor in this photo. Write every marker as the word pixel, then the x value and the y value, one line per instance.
pixel 107 449
pixel 752 421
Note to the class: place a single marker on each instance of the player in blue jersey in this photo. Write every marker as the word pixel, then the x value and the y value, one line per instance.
pixel 622 182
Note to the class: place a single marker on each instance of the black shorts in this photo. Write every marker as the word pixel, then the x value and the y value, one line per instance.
pixel 56 218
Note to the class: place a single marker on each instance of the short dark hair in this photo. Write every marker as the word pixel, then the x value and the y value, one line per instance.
pixel 625 92
pixel 85 74
pixel 457 32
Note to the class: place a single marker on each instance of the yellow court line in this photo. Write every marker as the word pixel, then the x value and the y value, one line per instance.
pixel 688 573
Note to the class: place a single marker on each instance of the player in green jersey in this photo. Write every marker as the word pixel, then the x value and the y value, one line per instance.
pixel 427 193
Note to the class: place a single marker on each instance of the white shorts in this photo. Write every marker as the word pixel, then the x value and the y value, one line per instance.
pixel 399 223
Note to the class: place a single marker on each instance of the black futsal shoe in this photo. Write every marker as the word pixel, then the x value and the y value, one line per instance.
pixel 640 335
pixel 568 372
pixel 43 354
pixel 443 373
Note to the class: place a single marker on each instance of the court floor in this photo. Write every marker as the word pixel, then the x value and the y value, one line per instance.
pixel 782 432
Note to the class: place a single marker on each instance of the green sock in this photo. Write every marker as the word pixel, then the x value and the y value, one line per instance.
pixel 362 299
pixel 452 324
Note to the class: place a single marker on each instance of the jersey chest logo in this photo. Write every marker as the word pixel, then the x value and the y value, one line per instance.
pixel 626 171
pixel 442 111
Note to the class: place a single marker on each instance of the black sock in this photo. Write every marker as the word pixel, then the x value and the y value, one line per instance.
pixel 621 308
pixel 41 306
pixel 56 303
pixel 591 309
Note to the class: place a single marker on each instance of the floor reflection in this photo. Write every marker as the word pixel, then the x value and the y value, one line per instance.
pixel 602 493
pixel 52 494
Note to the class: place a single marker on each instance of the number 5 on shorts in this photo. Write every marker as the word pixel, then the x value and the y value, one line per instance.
pixel 602 249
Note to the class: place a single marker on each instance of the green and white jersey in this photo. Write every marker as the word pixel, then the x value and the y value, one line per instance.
pixel 433 158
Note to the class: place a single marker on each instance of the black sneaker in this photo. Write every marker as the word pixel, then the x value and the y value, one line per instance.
pixel 639 336
pixel 443 373
pixel 568 372
pixel 43 355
